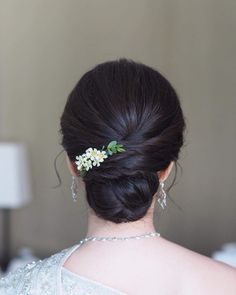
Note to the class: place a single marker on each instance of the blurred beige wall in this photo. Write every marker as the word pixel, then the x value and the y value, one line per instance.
pixel 45 46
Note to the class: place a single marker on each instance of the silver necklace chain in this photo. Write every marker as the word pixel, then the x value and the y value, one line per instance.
pixel 112 239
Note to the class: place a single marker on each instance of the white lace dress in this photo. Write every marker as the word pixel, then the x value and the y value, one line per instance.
pixel 49 277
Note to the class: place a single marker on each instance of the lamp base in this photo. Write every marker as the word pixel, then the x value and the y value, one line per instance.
pixel 5 257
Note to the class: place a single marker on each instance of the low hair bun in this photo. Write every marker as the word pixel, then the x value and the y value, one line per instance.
pixel 124 199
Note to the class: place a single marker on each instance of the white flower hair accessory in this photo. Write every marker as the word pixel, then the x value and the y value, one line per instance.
pixel 93 157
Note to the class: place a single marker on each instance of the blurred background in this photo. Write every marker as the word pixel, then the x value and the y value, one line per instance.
pixel 45 47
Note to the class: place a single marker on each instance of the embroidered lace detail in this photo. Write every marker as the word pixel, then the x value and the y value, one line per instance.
pixel 35 278
pixel 47 278
pixel 19 281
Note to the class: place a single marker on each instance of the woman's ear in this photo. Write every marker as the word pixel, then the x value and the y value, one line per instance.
pixel 163 175
pixel 73 170
pixel 71 166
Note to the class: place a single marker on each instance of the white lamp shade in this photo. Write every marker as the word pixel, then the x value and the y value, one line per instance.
pixel 15 190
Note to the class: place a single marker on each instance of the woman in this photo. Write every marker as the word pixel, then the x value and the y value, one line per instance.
pixel 122 130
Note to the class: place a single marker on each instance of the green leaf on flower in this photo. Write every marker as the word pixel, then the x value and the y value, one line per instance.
pixel 111 144
pixel 121 150
pixel 113 147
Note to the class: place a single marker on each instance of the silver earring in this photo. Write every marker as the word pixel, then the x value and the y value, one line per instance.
pixel 162 196
pixel 74 189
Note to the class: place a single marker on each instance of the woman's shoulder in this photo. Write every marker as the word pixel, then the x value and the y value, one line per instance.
pixel 204 275
pixel 210 276
pixel 35 275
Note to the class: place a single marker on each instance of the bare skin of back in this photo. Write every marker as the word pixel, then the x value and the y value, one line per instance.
pixel 152 266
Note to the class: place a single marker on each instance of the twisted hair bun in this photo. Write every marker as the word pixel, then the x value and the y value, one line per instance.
pixel 134 104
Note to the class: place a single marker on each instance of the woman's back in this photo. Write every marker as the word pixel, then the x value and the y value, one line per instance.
pixel 153 266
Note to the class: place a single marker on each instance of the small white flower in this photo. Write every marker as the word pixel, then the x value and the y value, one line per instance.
pixel 80 162
pixel 93 154
pixel 88 152
pixel 100 156
pixel 88 164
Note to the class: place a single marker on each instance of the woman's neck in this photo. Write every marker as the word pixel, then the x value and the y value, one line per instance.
pixel 102 228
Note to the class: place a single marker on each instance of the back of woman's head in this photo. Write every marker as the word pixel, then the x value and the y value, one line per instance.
pixel 135 105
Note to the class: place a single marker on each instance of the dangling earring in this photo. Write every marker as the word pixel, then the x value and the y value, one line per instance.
pixel 74 189
pixel 162 196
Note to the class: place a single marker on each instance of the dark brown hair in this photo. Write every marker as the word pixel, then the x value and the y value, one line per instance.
pixel 135 105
